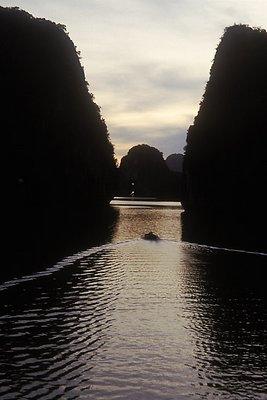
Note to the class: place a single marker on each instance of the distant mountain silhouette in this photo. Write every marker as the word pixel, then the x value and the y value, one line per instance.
pixel 57 157
pixel 175 162
pixel 225 157
pixel 144 171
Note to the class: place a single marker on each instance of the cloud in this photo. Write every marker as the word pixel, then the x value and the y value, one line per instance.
pixel 151 101
pixel 168 140
pixel 147 88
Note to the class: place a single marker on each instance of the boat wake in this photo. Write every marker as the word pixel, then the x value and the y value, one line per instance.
pixel 70 260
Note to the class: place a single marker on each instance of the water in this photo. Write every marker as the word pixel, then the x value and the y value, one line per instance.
pixel 134 319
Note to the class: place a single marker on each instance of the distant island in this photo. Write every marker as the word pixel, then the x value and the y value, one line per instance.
pixel 144 172
pixel 175 162
pixel 225 156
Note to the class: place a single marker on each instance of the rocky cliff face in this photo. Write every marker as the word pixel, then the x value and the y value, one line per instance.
pixel 57 159
pixel 225 158
pixel 57 151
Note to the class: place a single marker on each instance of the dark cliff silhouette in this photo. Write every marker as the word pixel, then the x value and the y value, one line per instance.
pixel 144 171
pixel 225 157
pixel 175 162
pixel 57 157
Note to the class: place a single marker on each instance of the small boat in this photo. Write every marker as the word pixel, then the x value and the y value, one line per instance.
pixel 150 236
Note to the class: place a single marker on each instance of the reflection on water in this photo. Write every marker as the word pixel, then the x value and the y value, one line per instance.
pixel 225 231
pixel 137 320
pixel 227 321
pixel 36 244
pixel 135 221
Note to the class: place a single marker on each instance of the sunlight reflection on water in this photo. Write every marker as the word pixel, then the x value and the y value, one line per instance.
pixel 134 222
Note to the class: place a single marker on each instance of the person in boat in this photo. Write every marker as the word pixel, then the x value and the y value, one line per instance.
pixel 150 236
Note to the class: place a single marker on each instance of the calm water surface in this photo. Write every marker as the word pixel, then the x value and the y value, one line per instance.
pixel 134 319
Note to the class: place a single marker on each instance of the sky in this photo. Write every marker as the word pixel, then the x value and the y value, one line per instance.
pixel 147 61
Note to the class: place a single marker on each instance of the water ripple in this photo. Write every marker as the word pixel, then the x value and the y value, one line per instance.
pixel 137 319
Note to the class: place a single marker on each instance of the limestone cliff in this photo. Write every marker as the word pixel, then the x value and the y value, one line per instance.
pixel 225 158
pixel 57 152
pixel 57 159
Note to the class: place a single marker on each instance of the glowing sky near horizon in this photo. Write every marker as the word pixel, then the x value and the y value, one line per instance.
pixel 147 61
